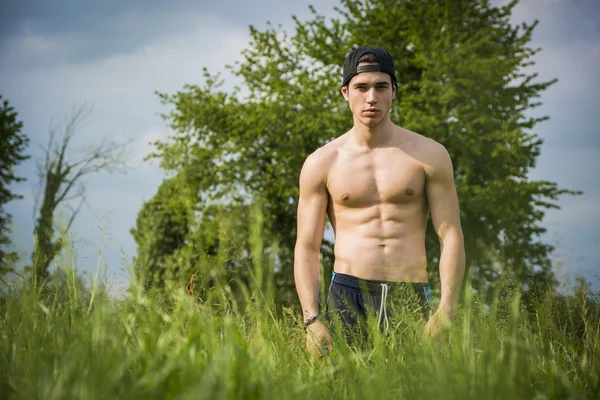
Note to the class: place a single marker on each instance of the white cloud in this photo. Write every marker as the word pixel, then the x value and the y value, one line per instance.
pixel 573 229
pixel 576 79
pixel 569 40
pixel 578 211
pixel 571 167
pixel 143 146
pixel 29 45
pixel 121 88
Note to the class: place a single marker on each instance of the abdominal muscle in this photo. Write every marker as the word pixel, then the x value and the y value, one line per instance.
pixel 382 242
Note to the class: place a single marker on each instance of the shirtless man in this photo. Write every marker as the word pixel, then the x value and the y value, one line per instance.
pixel 377 183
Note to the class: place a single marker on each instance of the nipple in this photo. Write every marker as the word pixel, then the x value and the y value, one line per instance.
pixel 410 192
pixel 345 197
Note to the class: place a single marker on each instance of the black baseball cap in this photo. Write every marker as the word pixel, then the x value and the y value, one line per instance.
pixel 386 64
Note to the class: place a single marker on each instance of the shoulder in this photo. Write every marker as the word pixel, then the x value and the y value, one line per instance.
pixel 317 165
pixel 324 156
pixel 434 152
pixel 320 158
pixel 433 155
pixel 437 161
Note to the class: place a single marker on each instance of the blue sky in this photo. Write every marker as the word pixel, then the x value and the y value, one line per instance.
pixel 115 55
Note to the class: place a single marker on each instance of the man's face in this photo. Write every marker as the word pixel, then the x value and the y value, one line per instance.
pixel 369 96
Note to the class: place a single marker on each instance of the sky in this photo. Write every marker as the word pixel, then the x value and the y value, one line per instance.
pixel 115 55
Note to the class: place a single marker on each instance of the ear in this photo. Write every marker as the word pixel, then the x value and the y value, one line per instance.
pixel 345 92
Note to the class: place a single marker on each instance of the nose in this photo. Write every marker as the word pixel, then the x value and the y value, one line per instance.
pixel 371 96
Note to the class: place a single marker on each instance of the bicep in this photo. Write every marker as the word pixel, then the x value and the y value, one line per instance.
pixel 441 195
pixel 312 208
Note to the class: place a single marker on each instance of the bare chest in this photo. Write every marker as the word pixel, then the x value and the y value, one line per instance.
pixel 386 176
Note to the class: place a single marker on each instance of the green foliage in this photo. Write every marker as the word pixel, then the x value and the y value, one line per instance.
pixel 179 242
pixel 462 82
pixel 94 347
pixel 161 228
pixel 12 145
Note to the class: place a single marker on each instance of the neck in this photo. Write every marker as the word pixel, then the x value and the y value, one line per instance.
pixel 372 136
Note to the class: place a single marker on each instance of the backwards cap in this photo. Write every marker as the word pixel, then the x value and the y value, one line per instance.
pixel 386 64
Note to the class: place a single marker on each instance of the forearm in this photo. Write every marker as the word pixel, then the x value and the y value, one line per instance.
pixel 452 269
pixel 306 276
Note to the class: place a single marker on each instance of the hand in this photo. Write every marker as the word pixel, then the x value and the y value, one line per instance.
pixel 440 320
pixel 318 338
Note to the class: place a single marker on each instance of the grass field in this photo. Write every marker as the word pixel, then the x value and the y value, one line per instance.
pixel 71 345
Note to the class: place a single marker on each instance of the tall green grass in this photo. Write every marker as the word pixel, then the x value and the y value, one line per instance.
pixel 234 343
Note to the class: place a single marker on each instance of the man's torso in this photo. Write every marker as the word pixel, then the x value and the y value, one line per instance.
pixel 378 208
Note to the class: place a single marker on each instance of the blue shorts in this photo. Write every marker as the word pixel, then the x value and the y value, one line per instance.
pixel 351 300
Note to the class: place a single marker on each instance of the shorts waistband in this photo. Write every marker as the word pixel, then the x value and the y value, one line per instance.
pixel 372 286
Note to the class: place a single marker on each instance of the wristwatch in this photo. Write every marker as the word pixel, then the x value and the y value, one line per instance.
pixel 308 321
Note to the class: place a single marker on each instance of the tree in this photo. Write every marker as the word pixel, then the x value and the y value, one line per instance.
pixel 12 145
pixel 60 182
pixel 161 229
pixel 461 68
pixel 176 239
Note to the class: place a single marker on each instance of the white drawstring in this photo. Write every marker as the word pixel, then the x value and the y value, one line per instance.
pixel 382 309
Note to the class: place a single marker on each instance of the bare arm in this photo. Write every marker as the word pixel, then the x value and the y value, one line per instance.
pixel 443 203
pixel 312 207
